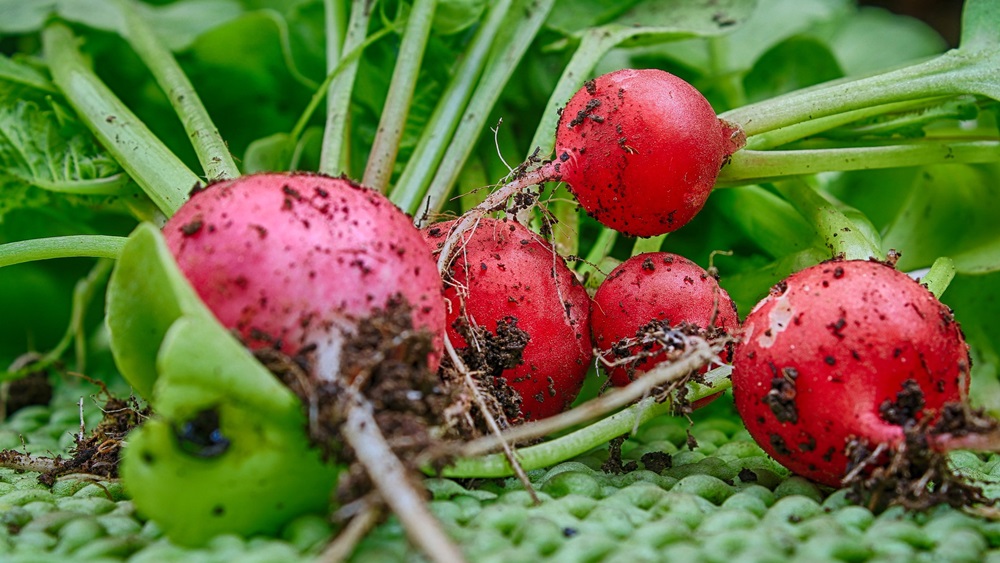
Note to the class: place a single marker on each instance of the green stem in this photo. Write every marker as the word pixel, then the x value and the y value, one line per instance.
pixel 74 246
pixel 805 129
pixel 491 85
pixel 83 295
pixel 601 248
pixel 412 183
pixel 158 171
pixel 333 155
pixel 115 184
pixel 840 234
pixel 954 72
pixel 650 244
pixel 939 276
pixel 753 166
pixel 397 102
pixel 208 144
pixel 320 94
pixel 580 441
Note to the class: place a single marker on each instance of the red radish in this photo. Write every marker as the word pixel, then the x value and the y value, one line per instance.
pixel 834 353
pixel 294 261
pixel 659 287
pixel 506 278
pixel 640 150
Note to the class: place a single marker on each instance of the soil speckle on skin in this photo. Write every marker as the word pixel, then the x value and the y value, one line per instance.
pixel 781 398
pixel 907 406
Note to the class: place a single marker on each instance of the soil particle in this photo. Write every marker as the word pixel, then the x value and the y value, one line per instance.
pixel 32 389
pixel 657 462
pixel 614 464
pixel 781 398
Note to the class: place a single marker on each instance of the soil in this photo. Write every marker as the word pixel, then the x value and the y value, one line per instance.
pixel 386 360
pixel 914 474
pixel 96 454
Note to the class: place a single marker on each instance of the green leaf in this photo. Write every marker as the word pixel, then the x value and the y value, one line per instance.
pixel 453 16
pixel 795 63
pixel 980 25
pixel 950 211
pixel 20 17
pixel 899 39
pixel 262 472
pixel 147 293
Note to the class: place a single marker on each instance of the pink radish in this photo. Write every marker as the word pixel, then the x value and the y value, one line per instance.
pixel 295 261
pixel 506 278
pixel 658 287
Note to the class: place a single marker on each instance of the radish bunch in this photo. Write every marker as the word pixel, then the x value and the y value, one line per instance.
pixel 845 351
pixel 515 305
pixel 648 293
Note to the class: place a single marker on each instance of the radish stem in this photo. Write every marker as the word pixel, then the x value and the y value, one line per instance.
pixel 392 479
pixel 208 143
pixel 334 152
pixel 73 246
pixel 939 276
pixel 157 170
pixel 399 99
pixel 412 183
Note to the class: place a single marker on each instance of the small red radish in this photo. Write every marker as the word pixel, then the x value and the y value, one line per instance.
pixel 833 355
pixel 659 287
pixel 640 150
pixel 294 261
pixel 506 278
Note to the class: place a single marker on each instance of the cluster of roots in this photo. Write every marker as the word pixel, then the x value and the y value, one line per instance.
pixel 915 474
pixel 419 414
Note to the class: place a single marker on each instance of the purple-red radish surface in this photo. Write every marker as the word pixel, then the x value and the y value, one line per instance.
pixel 640 150
pixel 834 354
pixel 294 261
pixel 507 279
pixel 655 287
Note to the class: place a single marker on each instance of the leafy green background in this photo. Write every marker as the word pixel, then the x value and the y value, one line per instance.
pixel 256 64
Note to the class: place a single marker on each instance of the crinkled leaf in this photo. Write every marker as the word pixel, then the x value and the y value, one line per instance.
pixel 147 293
pixel 950 211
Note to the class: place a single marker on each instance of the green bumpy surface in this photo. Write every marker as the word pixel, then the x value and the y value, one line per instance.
pixel 723 501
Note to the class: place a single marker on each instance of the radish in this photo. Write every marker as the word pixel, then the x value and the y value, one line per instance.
pixel 510 283
pixel 293 262
pixel 640 150
pixel 650 292
pixel 843 353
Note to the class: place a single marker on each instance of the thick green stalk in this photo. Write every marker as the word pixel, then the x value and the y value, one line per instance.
pixel 955 72
pixel 334 154
pixel 753 166
pixel 412 183
pixel 397 102
pixel 840 234
pixel 157 170
pixel 491 85
pixel 937 279
pixel 75 246
pixel 208 144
